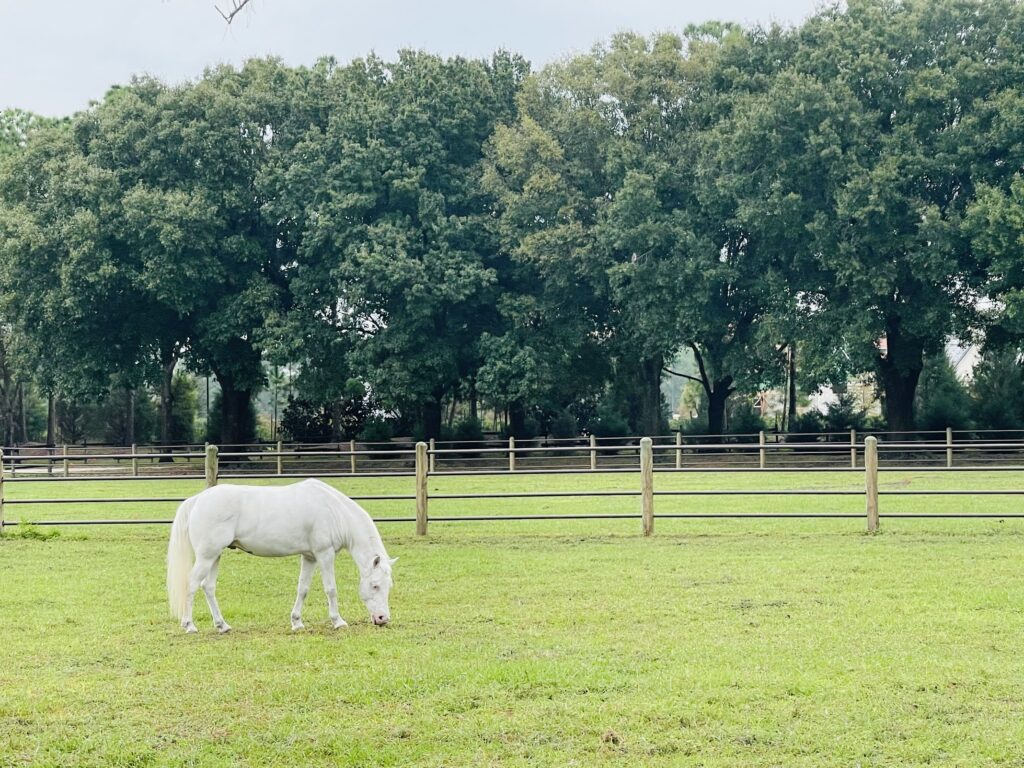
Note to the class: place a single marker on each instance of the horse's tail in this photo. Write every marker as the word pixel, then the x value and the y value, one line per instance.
pixel 179 560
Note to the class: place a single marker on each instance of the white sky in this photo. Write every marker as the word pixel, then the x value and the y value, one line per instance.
pixel 58 55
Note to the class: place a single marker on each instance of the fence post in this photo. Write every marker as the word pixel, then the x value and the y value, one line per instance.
pixel 66 463
pixel 853 448
pixel 2 491
pixel 647 485
pixel 421 488
pixel 593 452
pixel 871 481
pixel 949 446
pixel 433 459
pixel 280 458
pixel 135 460
pixel 762 453
pixel 211 466
pixel 352 455
pixel 679 449
pixel 511 454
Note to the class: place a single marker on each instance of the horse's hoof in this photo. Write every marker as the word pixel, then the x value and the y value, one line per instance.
pixel 297 625
pixel 190 629
pixel 339 623
pixel 224 628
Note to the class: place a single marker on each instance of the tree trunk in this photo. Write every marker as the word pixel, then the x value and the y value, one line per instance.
pixel 517 419
pixel 432 416
pixel 899 372
pixel 24 411
pixel 473 410
pixel 51 420
pixel 791 405
pixel 650 421
pixel 166 397
pixel 717 398
pixel 130 417
pixel 235 425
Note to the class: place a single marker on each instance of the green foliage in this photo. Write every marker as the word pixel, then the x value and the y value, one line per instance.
pixel 563 426
pixel 184 407
pixel 609 422
pixel 744 418
pixel 244 433
pixel 377 430
pixel 942 400
pixel 30 532
pixel 844 414
pixel 998 391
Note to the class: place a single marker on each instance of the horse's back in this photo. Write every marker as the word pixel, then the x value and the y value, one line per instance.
pixel 270 521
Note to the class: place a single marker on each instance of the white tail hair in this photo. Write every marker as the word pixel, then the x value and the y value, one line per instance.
pixel 179 560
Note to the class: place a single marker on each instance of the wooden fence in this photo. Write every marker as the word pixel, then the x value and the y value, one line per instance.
pixel 213 465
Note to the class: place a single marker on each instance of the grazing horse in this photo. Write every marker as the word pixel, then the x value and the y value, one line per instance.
pixel 310 519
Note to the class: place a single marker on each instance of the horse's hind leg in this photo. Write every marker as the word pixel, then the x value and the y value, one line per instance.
pixel 307 565
pixel 210 589
pixel 197 578
pixel 326 562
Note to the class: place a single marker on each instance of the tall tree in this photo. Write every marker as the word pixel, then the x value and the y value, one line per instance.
pixel 396 264
pixel 921 76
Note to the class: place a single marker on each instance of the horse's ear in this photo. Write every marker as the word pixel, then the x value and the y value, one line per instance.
pixel 376 561
pixel 394 560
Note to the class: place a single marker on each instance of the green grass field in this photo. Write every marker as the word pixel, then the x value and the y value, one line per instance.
pixel 713 643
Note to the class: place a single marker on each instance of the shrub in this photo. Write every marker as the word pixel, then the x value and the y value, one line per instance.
pixel 564 426
pixel 942 401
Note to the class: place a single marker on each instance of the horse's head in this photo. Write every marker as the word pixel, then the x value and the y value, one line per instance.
pixel 374 586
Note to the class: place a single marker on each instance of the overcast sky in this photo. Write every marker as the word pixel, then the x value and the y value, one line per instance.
pixel 58 55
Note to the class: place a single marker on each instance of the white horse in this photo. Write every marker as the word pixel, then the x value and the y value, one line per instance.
pixel 310 519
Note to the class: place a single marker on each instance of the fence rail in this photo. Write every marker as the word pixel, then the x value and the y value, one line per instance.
pixel 424 466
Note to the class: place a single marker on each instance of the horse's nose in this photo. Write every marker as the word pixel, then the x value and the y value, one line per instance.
pixel 380 621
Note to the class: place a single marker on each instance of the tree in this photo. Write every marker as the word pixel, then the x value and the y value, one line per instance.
pixel 396 264
pixel 608 180
pixel 918 80
pixel 138 236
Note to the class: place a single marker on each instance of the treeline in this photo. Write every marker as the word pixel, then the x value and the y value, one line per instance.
pixel 426 235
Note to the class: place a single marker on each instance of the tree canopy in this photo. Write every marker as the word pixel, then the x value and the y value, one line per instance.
pixel 834 199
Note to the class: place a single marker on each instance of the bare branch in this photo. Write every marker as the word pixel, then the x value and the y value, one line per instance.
pixel 236 7
pixel 683 375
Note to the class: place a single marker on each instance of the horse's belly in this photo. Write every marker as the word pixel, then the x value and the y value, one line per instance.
pixel 263 548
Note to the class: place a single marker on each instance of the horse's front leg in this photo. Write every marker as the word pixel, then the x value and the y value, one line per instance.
pixel 326 562
pixel 210 590
pixel 307 565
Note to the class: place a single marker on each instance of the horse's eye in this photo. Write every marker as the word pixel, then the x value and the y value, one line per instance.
pixel 375 587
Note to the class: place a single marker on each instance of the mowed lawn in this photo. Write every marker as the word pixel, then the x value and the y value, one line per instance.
pixel 713 643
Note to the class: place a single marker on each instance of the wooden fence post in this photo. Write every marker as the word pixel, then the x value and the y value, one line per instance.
pixel 66 463
pixel 949 446
pixel 280 458
pixel 212 466
pixel 762 453
pixel 2 491
pixel 433 459
pixel 593 452
pixel 421 488
pixel 647 485
pixel 871 481
pixel 511 454
pixel 853 448
pixel 679 449
pixel 352 455
pixel 135 460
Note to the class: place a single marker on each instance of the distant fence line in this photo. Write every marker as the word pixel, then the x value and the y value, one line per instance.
pixel 800 450
pixel 211 464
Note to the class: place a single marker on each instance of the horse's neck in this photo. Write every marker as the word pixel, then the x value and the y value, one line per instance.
pixel 360 537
